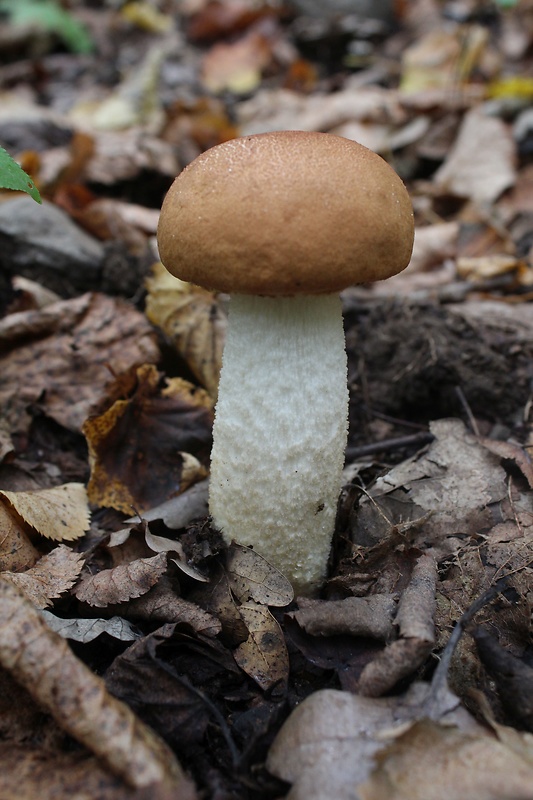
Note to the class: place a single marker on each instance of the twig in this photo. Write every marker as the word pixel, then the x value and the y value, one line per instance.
pixel 468 411
pixel 416 439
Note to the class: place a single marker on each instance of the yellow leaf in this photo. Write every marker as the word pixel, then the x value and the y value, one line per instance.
pixel 61 513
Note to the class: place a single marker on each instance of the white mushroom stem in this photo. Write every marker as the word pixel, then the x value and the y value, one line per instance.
pixel 280 431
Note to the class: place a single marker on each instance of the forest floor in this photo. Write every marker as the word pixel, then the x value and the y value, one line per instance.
pixel 140 656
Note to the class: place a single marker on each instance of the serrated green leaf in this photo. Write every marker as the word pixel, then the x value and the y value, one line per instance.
pixel 12 176
pixel 48 15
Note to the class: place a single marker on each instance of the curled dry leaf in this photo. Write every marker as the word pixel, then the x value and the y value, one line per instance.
pixel 121 583
pixel 137 446
pixel 176 513
pixel 356 616
pixel 60 514
pixel 263 656
pixel 43 663
pixel 54 573
pixel 161 544
pixel 414 618
pixel 85 630
pixel 162 604
pixel 192 320
pixel 513 452
pixel 250 576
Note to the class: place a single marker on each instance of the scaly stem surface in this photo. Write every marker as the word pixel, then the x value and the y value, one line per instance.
pixel 280 431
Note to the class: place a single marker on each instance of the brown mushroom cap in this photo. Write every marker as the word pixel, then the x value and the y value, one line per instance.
pixel 286 213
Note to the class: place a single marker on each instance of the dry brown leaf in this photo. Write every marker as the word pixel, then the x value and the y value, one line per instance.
pixel 61 358
pixel 479 268
pixel 162 604
pixel 433 244
pixel 60 514
pixel 513 452
pixel 456 481
pixel 441 763
pixel 44 664
pixel 177 512
pixel 442 59
pixel 328 745
pixel 141 447
pixel 282 109
pixel 32 295
pixel 6 444
pixel 237 66
pixel 54 573
pixel 193 321
pixel 251 577
pixel 17 553
pixel 481 164
pixel 263 656
pixel 121 583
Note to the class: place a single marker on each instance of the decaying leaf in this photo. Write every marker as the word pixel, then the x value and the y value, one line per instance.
pixel 513 452
pixel 17 553
pixel 263 656
pixel 430 760
pixel 251 577
pixel 442 59
pixel 162 604
pixel 43 663
pixel 177 512
pixel 217 598
pixel 480 165
pixel 85 630
pixel 121 583
pixel 145 448
pixel 237 66
pixel 329 745
pixel 53 574
pixel 192 319
pixel 61 358
pixel 513 678
pixel 154 675
pixel 456 481
pixel 60 513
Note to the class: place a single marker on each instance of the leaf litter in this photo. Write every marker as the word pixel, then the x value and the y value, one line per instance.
pixel 113 390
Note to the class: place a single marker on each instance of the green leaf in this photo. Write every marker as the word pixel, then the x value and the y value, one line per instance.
pixel 49 16
pixel 12 176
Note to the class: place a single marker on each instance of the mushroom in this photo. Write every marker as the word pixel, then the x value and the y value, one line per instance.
pixel 283 222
